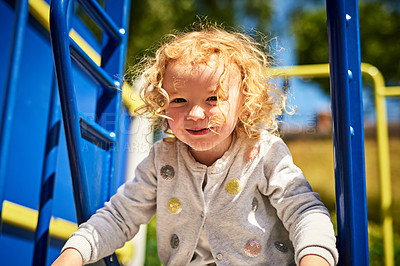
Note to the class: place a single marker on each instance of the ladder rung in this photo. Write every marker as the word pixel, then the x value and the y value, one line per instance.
pixel 93 132
pixel 82 59
pixel 97 13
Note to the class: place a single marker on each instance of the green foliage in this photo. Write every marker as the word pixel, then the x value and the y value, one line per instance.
pixel 317 165
pixel 152 19
pixel 376 250
pixel 309 29
pixel 151 244
pixel 375 243
pixel 379 34
pixel 380 39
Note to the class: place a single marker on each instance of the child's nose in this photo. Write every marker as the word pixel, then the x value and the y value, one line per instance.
pixel 196 113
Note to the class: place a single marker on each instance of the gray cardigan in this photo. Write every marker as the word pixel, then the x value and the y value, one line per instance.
pixel 256 208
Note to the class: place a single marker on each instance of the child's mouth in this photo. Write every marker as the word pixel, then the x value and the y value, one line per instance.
pixel 202 131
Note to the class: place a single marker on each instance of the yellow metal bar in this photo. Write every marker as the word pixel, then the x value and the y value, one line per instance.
pixel 130 98
pixel 26 218
pixel 85 47
pixel 40 10
pixel 383 160
pixel 304 71
pixel 392 91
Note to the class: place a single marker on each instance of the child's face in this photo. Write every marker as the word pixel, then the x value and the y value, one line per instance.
pixel 194 109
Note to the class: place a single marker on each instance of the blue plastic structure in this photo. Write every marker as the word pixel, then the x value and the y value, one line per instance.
pixel 99 132
pixel 348 131
pixel 10 93
pixel 45 208
pixel 91 140
pixel 34 156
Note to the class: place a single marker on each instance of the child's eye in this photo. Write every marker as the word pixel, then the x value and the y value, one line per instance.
pixel 212 99
pixel 178 100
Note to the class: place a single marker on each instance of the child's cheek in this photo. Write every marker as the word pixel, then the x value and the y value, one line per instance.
pixel 220 110
pixel 219 115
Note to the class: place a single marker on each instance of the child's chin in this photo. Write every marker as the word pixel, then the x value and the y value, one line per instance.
pixel 201 146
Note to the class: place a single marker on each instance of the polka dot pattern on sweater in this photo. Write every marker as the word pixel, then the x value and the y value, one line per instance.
pixel 281 247
pixel 174 205
pixel 167 172
pixel 233 186
pixel 174 241
pixel 252 248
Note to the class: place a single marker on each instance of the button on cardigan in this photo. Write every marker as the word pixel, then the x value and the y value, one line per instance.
pixel 256 208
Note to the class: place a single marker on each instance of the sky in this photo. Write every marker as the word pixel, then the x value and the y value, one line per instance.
pixel 306 96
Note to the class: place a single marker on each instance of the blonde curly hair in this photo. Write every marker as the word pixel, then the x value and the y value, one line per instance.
pixel 262 102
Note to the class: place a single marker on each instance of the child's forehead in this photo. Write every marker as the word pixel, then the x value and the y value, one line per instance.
pixel 182 73
pixel 179 73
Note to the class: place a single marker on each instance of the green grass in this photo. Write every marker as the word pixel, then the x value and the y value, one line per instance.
pixel 151 244
pixel 315 158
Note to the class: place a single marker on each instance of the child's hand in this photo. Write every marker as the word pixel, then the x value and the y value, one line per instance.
pixel 70 257
pixel 313 260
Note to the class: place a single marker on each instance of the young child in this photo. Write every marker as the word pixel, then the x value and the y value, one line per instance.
pixel 224 188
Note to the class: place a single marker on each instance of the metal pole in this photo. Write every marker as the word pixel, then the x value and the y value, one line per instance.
pixel 60 42
pixel 48 179
pixel 348 136
pixel 10 97
pixel 357 134
pixel 384 166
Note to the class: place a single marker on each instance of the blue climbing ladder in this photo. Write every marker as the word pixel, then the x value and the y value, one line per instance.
pixel 91 139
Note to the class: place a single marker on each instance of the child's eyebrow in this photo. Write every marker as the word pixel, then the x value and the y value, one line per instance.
pixel 172 94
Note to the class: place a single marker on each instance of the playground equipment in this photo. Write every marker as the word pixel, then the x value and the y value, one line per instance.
pixel 92 139
pixel 95 96
pixel 348 131
pixel 381 92
pixel 100 132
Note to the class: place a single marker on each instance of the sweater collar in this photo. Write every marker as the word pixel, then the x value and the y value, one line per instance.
pixel 218 165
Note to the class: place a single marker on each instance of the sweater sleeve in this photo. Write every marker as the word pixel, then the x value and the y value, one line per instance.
pixel 119 220
pixel 299 208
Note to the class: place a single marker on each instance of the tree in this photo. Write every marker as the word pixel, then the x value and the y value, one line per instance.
pixel 151 19
pixel 379 33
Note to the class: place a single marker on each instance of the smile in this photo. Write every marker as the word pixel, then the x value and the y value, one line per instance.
pixel 202 131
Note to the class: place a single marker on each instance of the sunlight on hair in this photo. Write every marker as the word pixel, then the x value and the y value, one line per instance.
pixel 262 101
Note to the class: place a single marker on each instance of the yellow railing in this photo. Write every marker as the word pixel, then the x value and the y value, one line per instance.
pixel 41 11
pixel 381 92
pixel 26 219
